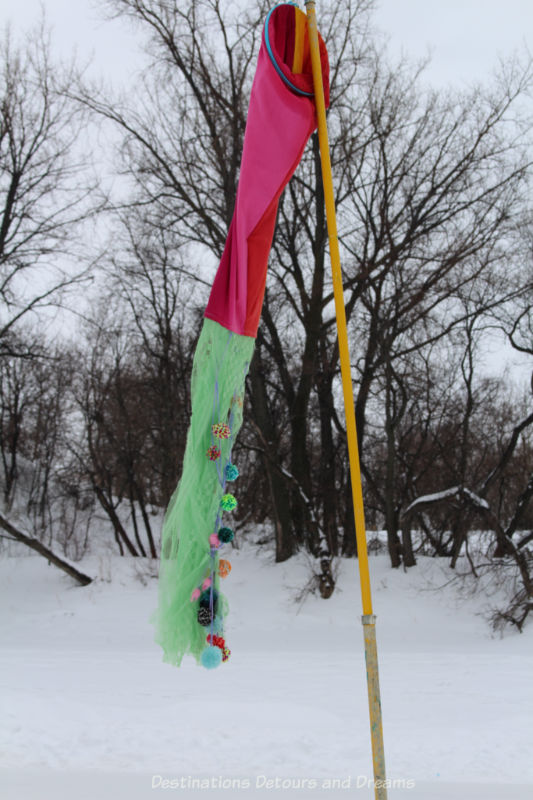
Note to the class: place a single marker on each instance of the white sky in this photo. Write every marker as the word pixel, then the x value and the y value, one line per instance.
pixel 465 37
pixel 81 25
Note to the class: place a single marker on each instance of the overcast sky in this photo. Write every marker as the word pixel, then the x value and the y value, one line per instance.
pixel 465 37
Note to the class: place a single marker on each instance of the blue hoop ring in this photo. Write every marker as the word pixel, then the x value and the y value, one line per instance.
pixel 272 58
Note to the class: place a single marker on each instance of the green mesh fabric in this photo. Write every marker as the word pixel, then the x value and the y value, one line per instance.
pixel 220 367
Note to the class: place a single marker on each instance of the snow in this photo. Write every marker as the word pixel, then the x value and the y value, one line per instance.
pixel 433 498
pixel 476 499
pixel 89 710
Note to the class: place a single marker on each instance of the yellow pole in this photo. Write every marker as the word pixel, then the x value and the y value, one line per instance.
pixel 368 618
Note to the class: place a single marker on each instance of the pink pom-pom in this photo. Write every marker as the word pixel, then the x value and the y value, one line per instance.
pixel 213 453
pixel 214 541
pixel 195 594
pixel 206 584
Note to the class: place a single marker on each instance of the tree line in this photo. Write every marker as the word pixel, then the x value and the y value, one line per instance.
pixel 433 193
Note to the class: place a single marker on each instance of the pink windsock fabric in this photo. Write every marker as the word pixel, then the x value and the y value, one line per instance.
pixel 280 121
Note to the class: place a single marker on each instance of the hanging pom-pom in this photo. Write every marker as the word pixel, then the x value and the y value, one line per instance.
pixel 228 502
pixel 221 430
pixel 226 653
pixel 214 541
pixel 213 453
pixel 205 598
pixel 224 568
pixel 211 657
pixel 225 535
pixel 195 594
pixel 206 584
pixel 218 641
pixel 232 473
pixel 204 617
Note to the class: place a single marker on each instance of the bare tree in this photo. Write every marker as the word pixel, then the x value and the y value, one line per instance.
pixel 430 190
pixel 46 190
pixel 147 271
pixel 34 407
pixel 47 193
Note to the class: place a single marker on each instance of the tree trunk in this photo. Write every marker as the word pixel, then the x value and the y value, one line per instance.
pixel 313 322
pixel 120 532
pixel 409 559
pixel 349 541
pixel 40 548
pixel 283 523
pixel 327 460
pixel 391 523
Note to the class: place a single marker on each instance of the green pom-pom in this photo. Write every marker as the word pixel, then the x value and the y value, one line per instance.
pixel 211 657
pixel 232 473
pixel 226 535
pixel 228 502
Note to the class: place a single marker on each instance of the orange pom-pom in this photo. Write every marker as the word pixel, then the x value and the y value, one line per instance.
pixel 224 568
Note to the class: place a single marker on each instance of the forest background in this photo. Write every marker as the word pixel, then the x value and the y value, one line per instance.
pixel 115 205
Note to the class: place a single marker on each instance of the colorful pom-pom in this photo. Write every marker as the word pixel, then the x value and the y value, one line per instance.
pixel 205 598
pixel 214 540
pixel 218 641
pixel 224 568
pixel 195 594
pixel 228 502
pixel 226 653
pixel 204 617
pixel 225 535
pixel 221 430
pixel 211 657
pixel 213 453
pixel 206 584
pixel 232 473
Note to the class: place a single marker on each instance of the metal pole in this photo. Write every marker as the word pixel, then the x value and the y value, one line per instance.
pixel 368 618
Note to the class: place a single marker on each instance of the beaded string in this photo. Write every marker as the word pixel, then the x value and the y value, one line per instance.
pixel 225 471
pixel 216 410
pixel 222 481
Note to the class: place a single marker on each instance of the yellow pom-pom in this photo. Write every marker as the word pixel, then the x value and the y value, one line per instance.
pixel 221 430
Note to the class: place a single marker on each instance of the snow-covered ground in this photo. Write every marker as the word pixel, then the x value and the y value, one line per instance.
pixel 90 711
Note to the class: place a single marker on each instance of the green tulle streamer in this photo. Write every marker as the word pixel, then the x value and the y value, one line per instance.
pixel 220 367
